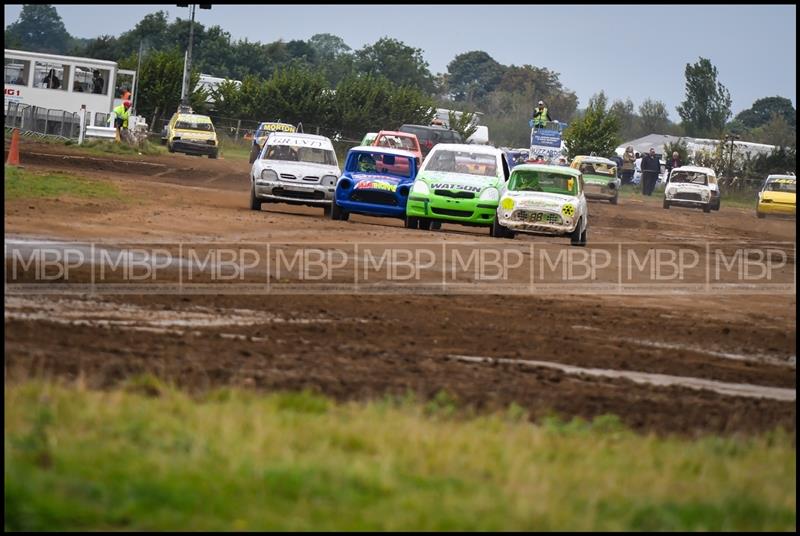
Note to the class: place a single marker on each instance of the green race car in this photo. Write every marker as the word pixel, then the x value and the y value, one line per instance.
pixel 599 177
pixel 457 184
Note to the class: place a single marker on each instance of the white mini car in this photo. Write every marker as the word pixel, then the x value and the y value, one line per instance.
pixel 692 186
pixel 294 168
pixel 543 199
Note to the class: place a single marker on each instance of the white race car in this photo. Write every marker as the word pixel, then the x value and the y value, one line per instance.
pixel 692 186
pixel 299 169
pixel 543 199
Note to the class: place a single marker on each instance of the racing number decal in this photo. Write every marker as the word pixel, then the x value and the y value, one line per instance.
pixel 568 210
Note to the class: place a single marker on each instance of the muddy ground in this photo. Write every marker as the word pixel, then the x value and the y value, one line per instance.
pixel 361 346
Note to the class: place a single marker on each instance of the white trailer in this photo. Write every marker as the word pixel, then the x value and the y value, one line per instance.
pixel 66 83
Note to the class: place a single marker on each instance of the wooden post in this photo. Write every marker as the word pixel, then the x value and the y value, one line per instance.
pixel 238 125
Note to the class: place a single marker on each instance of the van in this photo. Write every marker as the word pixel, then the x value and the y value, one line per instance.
pixel 429 136
pixel 480 136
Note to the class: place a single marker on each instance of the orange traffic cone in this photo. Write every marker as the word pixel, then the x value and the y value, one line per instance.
pixel 13 151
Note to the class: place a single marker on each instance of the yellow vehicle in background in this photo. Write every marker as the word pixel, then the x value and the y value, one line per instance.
pixel 263 131
pixel 778 197
pixel 191 133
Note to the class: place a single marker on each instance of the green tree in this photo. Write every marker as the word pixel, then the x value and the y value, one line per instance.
pixel 763 110
pixel 473 75
pixel 397 62
pixel 160 82
pixel 39 28
pixel 596 131
pixel 333 57
pixel 367 103
pixel 105 47
pixel 296 95
pixel 628 121
pixel 779 160
pixel 777 131
pixel 707 106
pixel 155 30
pixel 463 123
pixel 328 46
pixel 653 117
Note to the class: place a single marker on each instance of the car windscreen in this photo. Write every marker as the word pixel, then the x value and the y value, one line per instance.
pixel 369 162
pixel 688 177
pixel 450 136
pixel 464 162
pixel 191 125
pixel 782 185
pixel 598 168
pixel 293 153
pixel 396 142
pixel 542 181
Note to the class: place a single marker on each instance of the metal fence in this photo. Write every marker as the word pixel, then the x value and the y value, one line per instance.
pixel 238 130
pixel 43 121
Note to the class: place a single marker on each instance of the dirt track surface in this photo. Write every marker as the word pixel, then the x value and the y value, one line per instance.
pixel 364 346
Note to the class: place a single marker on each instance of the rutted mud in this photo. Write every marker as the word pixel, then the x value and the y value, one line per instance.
pixel 362 347
pixel 730 389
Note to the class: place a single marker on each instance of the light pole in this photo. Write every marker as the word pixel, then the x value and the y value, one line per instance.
pixel 731 138
pixel 187 64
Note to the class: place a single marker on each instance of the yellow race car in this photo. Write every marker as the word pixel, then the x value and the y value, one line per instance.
pixel 778 196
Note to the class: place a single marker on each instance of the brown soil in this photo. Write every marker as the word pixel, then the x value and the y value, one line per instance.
pixel 366 346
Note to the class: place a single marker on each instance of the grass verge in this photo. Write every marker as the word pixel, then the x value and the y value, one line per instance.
pixel 25 184
pixel 147 457
pixel 745 200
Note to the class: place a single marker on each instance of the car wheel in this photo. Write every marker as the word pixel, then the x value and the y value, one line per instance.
pixel 213 155
pixel 425 224
pixel 436 225
pixel 170 148
pixel 336 212
pixel 707 208
pixel 255 203
pixel 666 204
pixel 499 231
pixel 326 210
pixel 760 215
pixel 614 199
pixel 576 237
pixel 254 154
pixel 411 222
pixel 716 205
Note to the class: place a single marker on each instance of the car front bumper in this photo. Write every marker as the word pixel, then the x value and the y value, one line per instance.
pixel 192 147
pixel 599 191
pixel 464 211
pixel 782 209
pixel 310 194
pixel 555 229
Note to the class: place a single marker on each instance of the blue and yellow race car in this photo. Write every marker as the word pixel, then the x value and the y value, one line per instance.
pixel 375 182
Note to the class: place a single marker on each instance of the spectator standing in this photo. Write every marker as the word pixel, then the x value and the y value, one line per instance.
pixel 97 83
pixel 675 162
pixel 637 169
pixel 618 161
pixel 651 166
pixel 51 81
pixel 540 116
pixel 628 165
pixel 119 120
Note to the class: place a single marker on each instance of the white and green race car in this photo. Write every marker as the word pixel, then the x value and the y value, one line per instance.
pixel 543 199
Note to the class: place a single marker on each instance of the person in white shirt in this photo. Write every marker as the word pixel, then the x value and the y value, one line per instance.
pixel 637 170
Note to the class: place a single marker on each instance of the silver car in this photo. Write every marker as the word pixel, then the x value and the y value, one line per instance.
pixel 294 168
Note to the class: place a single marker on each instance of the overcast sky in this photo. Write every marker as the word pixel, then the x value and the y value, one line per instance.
pixel 629 51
